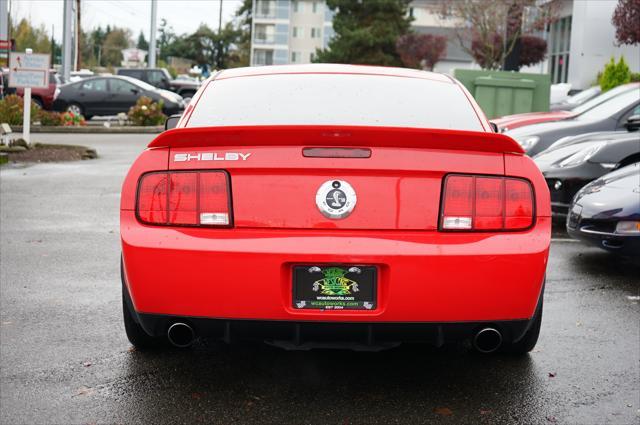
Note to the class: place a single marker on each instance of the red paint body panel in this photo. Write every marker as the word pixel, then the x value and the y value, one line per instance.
pixel 343 136
pixel 397 188
pixel 246 273
pixel 520 120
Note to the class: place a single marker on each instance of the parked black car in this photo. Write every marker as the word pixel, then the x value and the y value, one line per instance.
pixel 606 212
pixel 572 162
pixel 160 78
pixel 576 100
pixel 110 95
pixel 607 116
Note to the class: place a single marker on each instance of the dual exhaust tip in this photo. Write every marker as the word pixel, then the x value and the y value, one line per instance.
pixel 181 335
pixel 487 340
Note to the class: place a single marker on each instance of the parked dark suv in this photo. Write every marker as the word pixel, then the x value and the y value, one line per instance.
pixel 160 78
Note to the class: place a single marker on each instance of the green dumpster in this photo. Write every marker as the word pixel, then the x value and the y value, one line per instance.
pixel 504 93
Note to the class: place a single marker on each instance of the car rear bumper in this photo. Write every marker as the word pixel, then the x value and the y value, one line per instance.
pixel 246 274
pixel 358 336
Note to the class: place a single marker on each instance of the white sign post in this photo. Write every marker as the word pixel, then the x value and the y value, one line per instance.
pixel 28 70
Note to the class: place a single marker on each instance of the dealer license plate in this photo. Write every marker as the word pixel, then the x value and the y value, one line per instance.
pixel 341 287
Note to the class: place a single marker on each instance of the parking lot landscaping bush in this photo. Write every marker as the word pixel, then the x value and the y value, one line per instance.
pixel 50 118
pixel 69 119
pixel 12 110
pixel 146 112
pixel 614 74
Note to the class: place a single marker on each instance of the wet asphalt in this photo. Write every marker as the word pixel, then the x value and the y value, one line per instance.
pixel 64 356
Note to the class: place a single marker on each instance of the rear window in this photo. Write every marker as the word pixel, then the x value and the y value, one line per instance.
pixel 334 99
pixel 135 73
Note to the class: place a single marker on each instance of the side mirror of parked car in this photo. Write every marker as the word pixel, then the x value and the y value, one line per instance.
pixel 633 123
pixel 494 127
pixel 172 121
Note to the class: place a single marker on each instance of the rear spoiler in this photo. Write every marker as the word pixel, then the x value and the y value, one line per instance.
pixel 336 136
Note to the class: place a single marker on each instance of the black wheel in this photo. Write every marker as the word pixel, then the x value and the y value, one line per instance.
pixel 36 101
pixel 530 338
pixel 137 336
pixel 75 109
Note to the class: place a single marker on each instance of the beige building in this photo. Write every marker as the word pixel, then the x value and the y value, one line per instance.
pixel 289 31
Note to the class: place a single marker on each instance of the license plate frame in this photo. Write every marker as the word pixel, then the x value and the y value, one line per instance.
pixel 334 287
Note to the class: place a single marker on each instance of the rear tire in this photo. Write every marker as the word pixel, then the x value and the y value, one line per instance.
pixel 75 109
pixel 137 336
pixel 530 338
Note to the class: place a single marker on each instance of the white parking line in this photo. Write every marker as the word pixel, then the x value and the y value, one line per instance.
pixel 564 240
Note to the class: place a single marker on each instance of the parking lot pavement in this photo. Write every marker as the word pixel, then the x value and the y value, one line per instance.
pixel 64 356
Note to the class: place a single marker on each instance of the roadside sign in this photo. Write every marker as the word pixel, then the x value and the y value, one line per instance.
pixel 5 44
pixel 29 70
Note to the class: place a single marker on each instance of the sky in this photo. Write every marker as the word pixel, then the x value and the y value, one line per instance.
pixel 183 15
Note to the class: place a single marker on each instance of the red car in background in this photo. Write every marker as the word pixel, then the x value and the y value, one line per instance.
pixel 334 205
pixel 45 97
pixel 509 122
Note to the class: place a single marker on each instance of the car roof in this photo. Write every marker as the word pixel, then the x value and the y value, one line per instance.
pixel 323 68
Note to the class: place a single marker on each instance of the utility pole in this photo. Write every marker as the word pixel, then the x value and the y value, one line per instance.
pixel 53 46
pixel 66 39
pixel 78 36
pixel 219 58
pixel 152 35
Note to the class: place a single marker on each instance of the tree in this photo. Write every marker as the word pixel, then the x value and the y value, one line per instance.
pixel 27 36
pixel 626 19
pixel 142 42
pixel 366 32
pixel 534 50
pixel 207 47
pixel 116 40
pixel 416 49
pixel 244 14
pixel 490 30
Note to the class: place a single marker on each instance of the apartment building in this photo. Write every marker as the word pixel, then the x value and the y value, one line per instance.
pixel 289 31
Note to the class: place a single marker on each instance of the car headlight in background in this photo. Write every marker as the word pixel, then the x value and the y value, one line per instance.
pixel 628 227
pixel 581 156
pixel 528 142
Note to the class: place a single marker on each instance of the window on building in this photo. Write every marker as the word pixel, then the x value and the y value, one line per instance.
pixel 264 33
pixel 559 46
pixel 295 57
pixel 316 33
pixel 263 57
pixel 314 7
pixel 297 6
pixel 297 32
pixel 266 8
pixel 312 56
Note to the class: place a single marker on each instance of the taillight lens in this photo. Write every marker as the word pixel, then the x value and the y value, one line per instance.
pixel 486 203
pixel 184 198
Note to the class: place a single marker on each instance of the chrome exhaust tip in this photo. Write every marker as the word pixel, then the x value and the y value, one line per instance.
pixel 181 335
pixel 487 340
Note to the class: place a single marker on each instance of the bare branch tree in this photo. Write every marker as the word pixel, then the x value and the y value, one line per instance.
pixel 489 30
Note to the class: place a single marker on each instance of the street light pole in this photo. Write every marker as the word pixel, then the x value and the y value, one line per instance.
pixel 152 35
pixel 66 40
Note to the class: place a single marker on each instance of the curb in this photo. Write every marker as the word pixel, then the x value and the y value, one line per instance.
pixel 91 129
